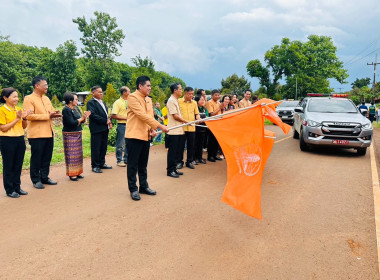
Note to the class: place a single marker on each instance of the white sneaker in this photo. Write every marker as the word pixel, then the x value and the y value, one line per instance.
pixel 121 164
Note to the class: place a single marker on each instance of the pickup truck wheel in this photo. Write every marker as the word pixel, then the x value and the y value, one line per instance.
pixel 295 133
pixel 303 145
pixel 361 151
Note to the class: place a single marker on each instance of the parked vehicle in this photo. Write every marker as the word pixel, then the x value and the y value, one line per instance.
pixel 286 109
pixel 333 122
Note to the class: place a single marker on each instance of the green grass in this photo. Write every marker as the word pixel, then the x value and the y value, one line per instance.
pixel 58 155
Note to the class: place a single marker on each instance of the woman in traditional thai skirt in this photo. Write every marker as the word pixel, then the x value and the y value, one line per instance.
pixel 72 136
pixel 12 124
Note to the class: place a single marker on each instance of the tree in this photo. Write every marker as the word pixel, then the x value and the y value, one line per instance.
pixel 359 83
pixel 111 96
pixel 101 39
pixel 310 64
pixel 60 68
pixel 143 62
pixel 235 85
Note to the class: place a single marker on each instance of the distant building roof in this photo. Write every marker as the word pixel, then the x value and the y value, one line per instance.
pixel 83 93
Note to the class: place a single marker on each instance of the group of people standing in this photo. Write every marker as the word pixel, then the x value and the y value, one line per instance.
pixel 138 122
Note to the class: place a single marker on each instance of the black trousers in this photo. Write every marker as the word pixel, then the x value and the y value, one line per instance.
pixel 42 151
pixel 190 138
pixel 99 148
pixel 13 152
pixel 174 152
pixel 138 154
pixel 200 135
pixel 213 145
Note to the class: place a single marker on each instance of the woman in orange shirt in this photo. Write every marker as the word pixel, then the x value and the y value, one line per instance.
pixel 12 124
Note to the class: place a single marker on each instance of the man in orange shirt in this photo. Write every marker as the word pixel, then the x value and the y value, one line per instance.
pixel 244 103
pixel 40 132
pixel 214 108
pixel 141 127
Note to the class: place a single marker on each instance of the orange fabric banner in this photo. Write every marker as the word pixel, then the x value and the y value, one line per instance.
pixel 269 112
pixel 241 136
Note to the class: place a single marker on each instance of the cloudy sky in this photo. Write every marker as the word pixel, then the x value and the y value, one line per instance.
pixel 201 41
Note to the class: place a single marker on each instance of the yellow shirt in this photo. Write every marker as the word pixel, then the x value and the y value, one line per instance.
pixel 244 103
pixel 188 110
pixel 120 108
pixel 8 115
pixel 212 106
pixel 173 108
pixel 164 112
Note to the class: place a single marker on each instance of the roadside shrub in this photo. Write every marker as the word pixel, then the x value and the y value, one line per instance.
pixel 112 136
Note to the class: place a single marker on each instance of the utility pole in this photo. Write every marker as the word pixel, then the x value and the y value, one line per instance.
pixel 374 76
pixel 340 89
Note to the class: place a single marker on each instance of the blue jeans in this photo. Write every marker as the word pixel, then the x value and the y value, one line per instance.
pixel 120 144
pixel 158 138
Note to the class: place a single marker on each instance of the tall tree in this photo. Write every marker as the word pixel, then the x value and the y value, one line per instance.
pixel 101 39
pixel 310 65
pixel 234 84
pixel 359 83
pixel 60 68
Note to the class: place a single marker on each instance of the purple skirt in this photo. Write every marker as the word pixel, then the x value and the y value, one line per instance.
pixel 72 146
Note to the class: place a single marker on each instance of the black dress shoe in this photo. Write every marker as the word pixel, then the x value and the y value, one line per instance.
pixel 178 172
pixel 97 170
pixel 173 174
pixel 49 182
pixel 13 195
pixel 38 185
pixel 190 165
pixel 80 176
pixel 21 192
pixel 105 166
pixel 73 178
pixel 135 195
pixel 212 159
pixel 148 191
pixel 218 158
pixel 179 166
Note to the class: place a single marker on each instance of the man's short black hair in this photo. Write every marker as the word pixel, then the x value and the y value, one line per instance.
pixel 174 86
pixel 248 90
pixel 141 81
pixel 95 88
pixel 187 89
pixel 37 79
pixel 214 91
pixel 199 91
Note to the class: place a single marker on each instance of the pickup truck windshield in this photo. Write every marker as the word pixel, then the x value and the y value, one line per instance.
pixel 331 106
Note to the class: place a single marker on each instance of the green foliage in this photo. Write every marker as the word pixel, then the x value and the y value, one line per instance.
pixel 112 136
pixel 60 68
pixel 111 96
pixel 143 62
pixel 101 39
pixel 235 85
pixel 88 98
pixel 55 101
pixel 359 83
pixel 311 63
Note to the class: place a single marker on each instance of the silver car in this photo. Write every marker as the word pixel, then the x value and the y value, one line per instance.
pixel 286 109
pixel 331 121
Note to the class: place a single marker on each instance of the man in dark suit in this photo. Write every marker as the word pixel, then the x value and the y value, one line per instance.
pixel 100 124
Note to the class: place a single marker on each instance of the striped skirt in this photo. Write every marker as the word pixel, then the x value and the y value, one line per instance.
pixel 72 146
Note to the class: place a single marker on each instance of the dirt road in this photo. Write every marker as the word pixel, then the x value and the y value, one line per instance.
pixel 318 223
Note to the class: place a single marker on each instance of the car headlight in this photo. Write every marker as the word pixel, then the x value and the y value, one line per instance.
pixel 313 123
pixel 367 126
